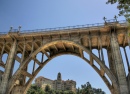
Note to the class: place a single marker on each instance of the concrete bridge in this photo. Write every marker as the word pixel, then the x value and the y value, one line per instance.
pixel 76 40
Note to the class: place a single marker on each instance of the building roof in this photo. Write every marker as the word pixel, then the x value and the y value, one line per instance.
pixel 41 77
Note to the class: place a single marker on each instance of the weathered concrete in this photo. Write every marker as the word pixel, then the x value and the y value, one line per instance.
pixel 1 74
pixel 17 90
pixel 118 63
pixel 73 41
pixel 128 81
pixel 8 69
pixel 111 62
pixel 20 83
pixel 112 66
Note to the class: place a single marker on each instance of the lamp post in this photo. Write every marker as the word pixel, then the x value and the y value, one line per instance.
pixel 11 28
pixel 115 18
pixel 104 18
pixel 19 28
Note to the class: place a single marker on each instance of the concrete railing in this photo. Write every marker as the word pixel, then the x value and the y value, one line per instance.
pixel 86 26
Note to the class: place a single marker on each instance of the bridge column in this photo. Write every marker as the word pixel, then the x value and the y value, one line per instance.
pixel 8 68
pixel 128 80
pixel 18 90
pixel 20 86
pixel 118 63
pixel 111 61
pixel 1 76
pixel 112 68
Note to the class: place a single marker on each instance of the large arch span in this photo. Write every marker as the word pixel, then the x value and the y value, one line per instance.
pixel 70 48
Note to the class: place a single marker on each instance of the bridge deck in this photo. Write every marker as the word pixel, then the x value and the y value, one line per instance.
pixel 78 34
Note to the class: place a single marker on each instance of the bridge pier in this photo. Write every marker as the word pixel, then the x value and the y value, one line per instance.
pixel 128 80
pixel 20 83
pixel 111 61
pixel 118 64
pixel 1 77
pixel 112 68
pixel 8 68
pixel 17 90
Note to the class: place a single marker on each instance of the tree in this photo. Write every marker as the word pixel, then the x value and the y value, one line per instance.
pixel 123 6
pixel 52 91
pixel 78 90
pixel 71 92
pixel 88 89
pixel 47 88
pixel 35 90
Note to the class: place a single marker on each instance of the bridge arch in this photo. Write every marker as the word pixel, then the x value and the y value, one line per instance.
pixel 77 50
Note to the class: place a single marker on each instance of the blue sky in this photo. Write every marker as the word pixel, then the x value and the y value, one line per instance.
pixel 40 14
pixel 32 14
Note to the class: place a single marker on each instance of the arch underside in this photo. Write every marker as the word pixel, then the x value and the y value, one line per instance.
pixel 56 48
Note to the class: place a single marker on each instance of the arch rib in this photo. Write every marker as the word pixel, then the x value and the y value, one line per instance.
pixel 18 72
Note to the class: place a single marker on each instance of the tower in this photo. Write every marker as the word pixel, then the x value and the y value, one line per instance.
pixel 59 77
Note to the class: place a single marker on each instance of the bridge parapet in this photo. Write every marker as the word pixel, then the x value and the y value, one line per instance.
pixel 86 26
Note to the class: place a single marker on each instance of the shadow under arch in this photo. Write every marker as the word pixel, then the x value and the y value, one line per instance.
pixel 112 87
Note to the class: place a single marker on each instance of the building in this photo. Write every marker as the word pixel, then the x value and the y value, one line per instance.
pixel 42 82
pixel 57 84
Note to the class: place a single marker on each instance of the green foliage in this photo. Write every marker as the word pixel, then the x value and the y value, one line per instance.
pixel 88 89
pixel 129 29
pixel 85 89
pixel 35 90
pixel 47 88
pixel 123 6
